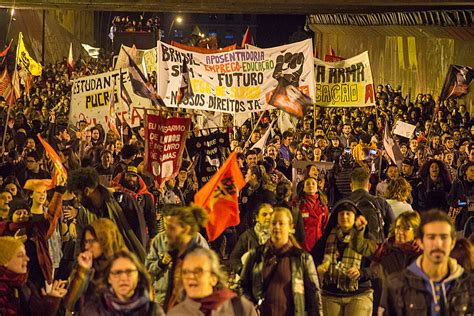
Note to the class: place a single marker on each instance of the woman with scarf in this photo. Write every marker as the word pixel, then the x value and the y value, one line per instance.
pixel 278 276
pixel 125 290
pixel 433 190
pixel 18 296
pixel 99 242
pixel 205 290
pixel 312 204
pixel 347 289
pixel 394 255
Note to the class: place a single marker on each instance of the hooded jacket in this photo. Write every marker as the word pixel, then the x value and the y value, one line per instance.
pixel 144 198
pixel 411 292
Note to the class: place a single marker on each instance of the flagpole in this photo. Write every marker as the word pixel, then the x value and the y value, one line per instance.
pixel 255 127
pixel 121 105
pixel 10 105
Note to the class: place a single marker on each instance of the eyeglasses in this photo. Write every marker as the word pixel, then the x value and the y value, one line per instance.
pixel 118 273
pixel 197 273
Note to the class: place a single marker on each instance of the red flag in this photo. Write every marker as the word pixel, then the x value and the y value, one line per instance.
pixel 6 90
pixel 70 61
pixel 247 39
pixel 5 51
pixel 220 197
pixel 58 165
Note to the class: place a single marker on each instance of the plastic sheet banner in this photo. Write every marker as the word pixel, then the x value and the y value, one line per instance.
pixel 90 99
pixel 235 81
pixel 166 139
pixel 346 83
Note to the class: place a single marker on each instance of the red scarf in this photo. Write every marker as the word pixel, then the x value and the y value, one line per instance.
pixel 213 301
pixel 10 286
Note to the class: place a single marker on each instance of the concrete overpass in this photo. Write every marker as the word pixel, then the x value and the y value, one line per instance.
pixel 240 6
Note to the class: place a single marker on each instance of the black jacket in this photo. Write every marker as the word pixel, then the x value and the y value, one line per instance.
pixel 359 197
pixel 408 295
pixel 247 241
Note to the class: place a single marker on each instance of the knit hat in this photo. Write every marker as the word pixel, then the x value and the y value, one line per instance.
pixel 8 248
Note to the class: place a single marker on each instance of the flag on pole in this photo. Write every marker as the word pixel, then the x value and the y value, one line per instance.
pixel 58 165
pixel 262 142
pixel 185 90
pixel 247 39
pixel 457 82
pixel 91 51
pixel 219 197
pixel 111 116
pixel 5 51
pixel 284 123
pixel 140 84
pixel 70 61
pixel 6 90
pixel 16 85
pixel 391 148
pixel 125 96
pixel 25 61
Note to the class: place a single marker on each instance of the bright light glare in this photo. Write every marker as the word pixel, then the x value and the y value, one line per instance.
pixel 12 12
pixel 179 19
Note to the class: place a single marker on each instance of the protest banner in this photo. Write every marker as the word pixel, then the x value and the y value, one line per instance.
pixel 346 83
pixel 165 145
pixel 90 99
pixel 404 129
pixel 299 170
pixel 210 150
pixel 234 81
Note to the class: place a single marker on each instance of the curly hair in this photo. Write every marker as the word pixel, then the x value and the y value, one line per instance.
pixel 83 177
pixel 398 189
pixel 443 171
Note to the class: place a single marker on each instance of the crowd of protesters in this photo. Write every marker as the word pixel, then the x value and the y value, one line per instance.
pixel 364 237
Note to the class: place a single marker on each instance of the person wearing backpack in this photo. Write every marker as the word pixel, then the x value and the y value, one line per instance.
pixel 376 210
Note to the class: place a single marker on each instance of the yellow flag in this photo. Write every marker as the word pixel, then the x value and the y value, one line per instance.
pixel 25 61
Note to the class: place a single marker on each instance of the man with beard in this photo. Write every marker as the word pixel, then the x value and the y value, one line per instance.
pixel 96 147
pixel 434 284
pixel 183 224
pixel 100 202
pixel 130 182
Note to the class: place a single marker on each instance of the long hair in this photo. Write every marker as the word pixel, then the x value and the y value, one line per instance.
pixel 288 213
pixel 443 171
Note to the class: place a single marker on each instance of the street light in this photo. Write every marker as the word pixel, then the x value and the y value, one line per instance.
pixel 178 20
